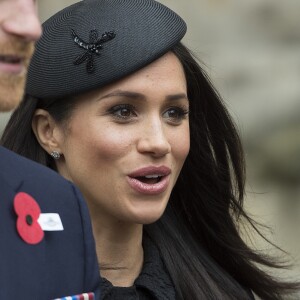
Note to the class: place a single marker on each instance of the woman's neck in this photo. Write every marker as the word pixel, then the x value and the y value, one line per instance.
pixel 119 251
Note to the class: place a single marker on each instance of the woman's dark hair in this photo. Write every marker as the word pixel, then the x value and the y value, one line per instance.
pixel 197 235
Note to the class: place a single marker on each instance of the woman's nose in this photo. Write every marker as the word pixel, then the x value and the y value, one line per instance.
pixel 154 140
pixel 22 21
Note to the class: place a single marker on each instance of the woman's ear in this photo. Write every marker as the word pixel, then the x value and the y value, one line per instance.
pixel 47 131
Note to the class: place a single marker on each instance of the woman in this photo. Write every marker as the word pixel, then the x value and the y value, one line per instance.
pixel 116 104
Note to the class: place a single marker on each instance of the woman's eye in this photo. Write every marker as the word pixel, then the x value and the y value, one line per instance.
pixel 123 111
pixel 175 114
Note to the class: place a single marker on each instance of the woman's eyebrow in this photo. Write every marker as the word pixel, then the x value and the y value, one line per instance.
pixel 135 95
pixel 177 97
pixel 126 94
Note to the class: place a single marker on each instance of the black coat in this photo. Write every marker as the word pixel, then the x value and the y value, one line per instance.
pixel 154 282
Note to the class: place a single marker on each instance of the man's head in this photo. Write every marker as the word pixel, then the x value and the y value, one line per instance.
pixel 19 29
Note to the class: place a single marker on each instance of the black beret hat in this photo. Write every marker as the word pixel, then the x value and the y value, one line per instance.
pixel 95 42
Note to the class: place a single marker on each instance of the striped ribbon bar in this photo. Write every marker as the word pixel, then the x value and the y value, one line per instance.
pixel 84 296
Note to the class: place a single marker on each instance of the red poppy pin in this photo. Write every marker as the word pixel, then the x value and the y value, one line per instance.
pixel 28 212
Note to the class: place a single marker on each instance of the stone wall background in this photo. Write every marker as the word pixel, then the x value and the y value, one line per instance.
pixel 251 50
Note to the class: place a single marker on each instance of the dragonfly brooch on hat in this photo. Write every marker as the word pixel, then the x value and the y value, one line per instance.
pixel 92 47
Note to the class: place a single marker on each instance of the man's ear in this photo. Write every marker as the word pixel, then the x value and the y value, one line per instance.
pixel 47 131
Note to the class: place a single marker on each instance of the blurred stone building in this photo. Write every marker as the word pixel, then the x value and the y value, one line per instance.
pixel 251 51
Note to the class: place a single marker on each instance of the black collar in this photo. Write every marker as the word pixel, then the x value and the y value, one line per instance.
pixel 154 276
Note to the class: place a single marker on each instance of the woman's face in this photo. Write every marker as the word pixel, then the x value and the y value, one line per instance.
pixel 125 144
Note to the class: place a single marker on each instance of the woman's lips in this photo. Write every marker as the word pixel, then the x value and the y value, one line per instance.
pixel 11 64
pixel 149 188
pixel 150 180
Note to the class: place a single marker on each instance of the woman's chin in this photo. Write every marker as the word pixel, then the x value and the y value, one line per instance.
pixel 146 217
